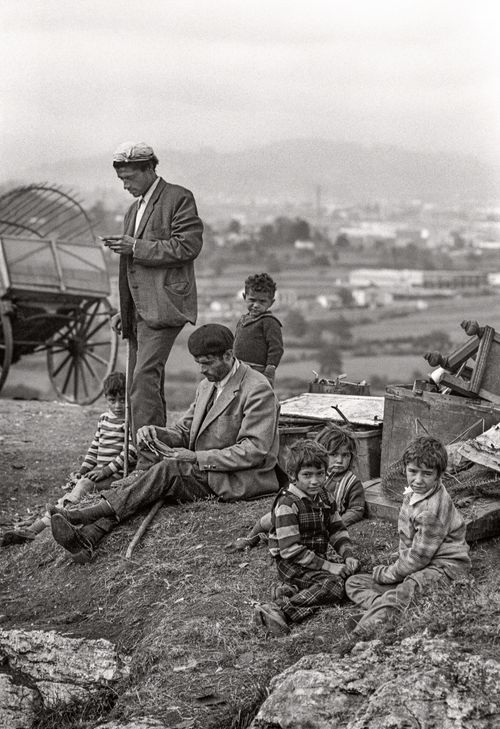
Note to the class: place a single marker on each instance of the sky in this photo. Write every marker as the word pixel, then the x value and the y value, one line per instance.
pixel 78 78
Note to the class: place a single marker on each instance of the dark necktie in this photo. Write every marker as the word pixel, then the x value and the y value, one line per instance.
pixel 210 401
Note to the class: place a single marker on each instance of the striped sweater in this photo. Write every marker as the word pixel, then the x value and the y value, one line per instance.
pixel 431 532
pixel 303 527
pixel 106 450
pixel 347 491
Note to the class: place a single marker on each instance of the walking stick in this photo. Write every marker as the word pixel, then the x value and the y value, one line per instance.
pixel 127 413
pixel 144 525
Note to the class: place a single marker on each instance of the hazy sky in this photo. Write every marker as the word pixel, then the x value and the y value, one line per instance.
pixel 79 77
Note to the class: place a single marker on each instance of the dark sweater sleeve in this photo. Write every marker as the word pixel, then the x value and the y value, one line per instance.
pixel 274 339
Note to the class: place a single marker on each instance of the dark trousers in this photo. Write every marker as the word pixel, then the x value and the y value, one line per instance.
pixel 148 354
pixel 315 588
pixel 166 480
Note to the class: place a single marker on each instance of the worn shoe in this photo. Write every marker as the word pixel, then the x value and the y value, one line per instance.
pixel 66 513
pixel 84 556
pixel 272 618
pixel 282 591
pixel 242 543
pixel 67 535
pixel 17 536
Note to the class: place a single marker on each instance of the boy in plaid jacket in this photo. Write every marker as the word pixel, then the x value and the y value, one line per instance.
pixel 304 521
pixel 432 546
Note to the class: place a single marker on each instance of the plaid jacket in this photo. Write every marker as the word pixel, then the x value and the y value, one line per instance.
pixel 302 528
pixel 431 531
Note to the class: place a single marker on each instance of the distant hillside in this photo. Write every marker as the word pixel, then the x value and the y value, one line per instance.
pixel 291 170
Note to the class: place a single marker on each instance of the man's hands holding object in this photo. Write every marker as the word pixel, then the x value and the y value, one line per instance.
pixel 123 244
pixel 147 436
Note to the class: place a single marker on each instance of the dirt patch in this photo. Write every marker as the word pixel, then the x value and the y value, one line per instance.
pixel 182 607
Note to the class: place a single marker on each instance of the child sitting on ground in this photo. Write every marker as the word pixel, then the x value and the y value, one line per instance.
pixel 432 546
pixel 103 463
pixel 342 484
pixel 257 339
pixel 304 521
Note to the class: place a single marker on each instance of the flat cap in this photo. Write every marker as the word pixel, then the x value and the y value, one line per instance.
pixel 133 152
pixel 210 339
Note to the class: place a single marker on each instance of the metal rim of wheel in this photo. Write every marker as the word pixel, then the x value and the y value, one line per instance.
pixel 82 353
pixel 6 347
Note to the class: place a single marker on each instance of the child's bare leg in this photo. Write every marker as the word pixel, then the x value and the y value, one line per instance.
pixel 258 532
pixel 82 487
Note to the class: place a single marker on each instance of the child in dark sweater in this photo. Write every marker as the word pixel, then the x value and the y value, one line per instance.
pixel 258 340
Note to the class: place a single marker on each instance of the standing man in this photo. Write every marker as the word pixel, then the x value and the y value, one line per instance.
pixel 162 237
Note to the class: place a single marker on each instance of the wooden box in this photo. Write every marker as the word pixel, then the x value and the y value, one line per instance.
pixel 450 418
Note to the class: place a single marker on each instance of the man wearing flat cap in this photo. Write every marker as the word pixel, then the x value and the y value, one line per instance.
pixel 162 237
pixel 225 446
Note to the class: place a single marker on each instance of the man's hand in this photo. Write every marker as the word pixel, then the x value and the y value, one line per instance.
pixel 116 323
pixel 123 244
pixel 352 564
pixel 146 434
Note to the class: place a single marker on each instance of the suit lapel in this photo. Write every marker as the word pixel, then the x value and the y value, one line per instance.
pixel 225 398
pixel 150 207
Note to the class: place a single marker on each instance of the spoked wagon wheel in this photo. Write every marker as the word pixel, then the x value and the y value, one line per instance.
pixel 6 346
pixel 83 352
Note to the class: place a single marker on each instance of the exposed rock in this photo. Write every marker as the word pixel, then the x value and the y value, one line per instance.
pixel 144 723
pixel 43 669
pixel 18 704
pixel 419 683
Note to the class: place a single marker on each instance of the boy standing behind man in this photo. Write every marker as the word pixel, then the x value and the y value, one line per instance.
pixel 432 546
pixel 258 341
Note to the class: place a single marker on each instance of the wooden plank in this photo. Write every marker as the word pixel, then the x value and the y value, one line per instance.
pixel 482 517
pixel 358 409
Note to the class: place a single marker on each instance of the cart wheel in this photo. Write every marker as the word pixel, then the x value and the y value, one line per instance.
pixel 6 346
pixel 82 353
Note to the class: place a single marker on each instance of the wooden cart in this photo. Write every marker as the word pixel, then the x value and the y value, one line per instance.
pixel 54 286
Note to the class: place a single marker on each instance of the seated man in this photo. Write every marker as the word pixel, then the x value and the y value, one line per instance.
pixel 225 446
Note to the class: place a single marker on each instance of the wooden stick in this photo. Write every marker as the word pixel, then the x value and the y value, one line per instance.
pixel 144 525
pixel 126 428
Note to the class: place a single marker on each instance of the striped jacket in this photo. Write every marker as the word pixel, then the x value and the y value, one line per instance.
pixel 347 491
pixel 431 532
pixel 303 527
pixel 106 449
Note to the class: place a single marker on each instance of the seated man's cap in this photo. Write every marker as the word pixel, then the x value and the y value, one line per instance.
pixel 210 339
pixel 133 152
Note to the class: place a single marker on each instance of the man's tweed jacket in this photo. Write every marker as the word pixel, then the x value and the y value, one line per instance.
pixel 159 277
pixel 236 443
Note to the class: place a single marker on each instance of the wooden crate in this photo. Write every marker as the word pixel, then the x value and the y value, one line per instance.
pixel 408 414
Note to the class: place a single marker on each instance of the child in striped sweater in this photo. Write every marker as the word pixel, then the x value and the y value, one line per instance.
pixel 305 521
pixel 103 464
pixel 342 483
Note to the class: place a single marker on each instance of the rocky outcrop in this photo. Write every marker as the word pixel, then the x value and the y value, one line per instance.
pixel 144 723
pixel 418 683
pixel 42 669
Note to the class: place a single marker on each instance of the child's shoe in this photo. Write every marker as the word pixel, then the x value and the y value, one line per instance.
pixel 242 543
pixel 17 536
pixel 272 618
pixel 282 591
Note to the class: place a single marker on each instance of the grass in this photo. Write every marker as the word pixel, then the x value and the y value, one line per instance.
pixel 182 606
